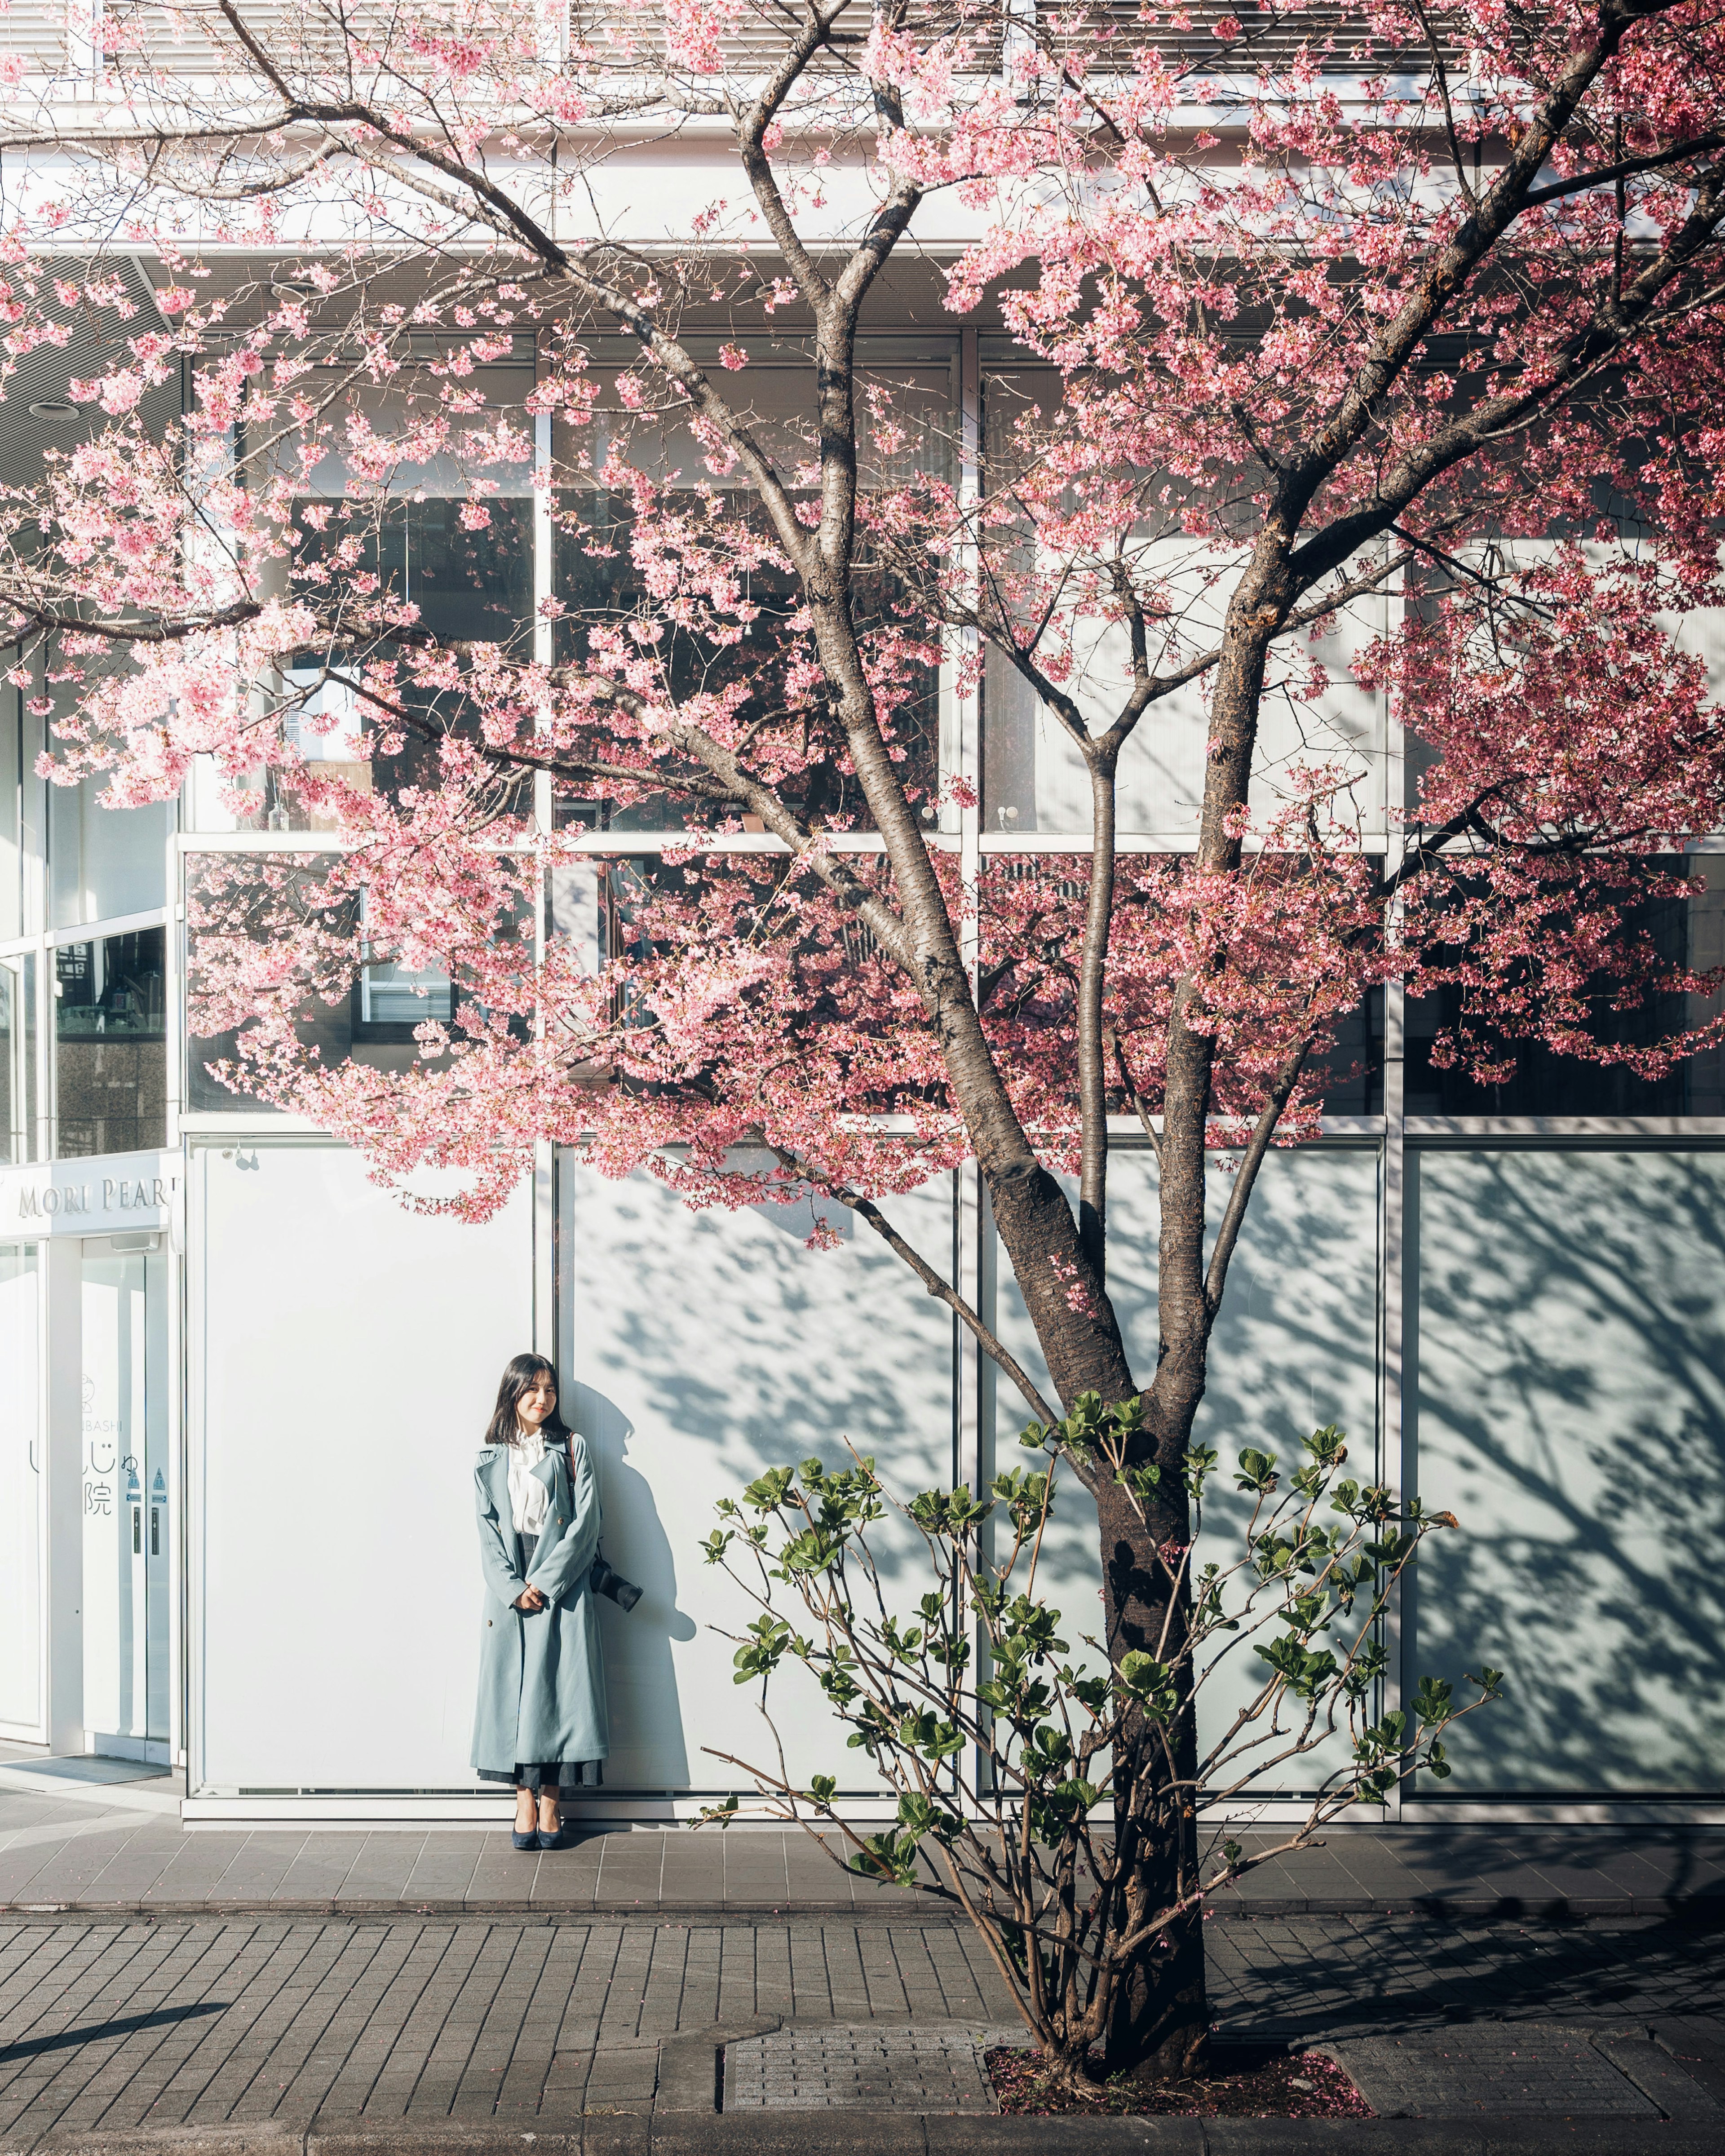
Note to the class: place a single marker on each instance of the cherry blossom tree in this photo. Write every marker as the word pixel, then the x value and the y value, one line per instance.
pixel 1418 307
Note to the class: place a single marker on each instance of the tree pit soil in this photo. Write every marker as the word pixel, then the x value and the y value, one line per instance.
pixel 1258 2081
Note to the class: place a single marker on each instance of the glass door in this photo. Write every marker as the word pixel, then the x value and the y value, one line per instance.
pixel 126 1542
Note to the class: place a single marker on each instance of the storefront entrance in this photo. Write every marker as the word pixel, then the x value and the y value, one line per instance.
pixel 123 1473
pixel 90 1479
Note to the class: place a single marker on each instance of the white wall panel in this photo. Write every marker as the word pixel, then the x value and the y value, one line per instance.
pixel 1571 1361
pixel 21 1520
pixel 698 1348
pixel 347 1359
pixel 1295 1347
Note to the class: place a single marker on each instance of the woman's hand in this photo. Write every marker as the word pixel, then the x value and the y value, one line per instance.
pixel 530 1599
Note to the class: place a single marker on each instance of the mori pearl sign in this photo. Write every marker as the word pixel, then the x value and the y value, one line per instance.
pixel 127 1191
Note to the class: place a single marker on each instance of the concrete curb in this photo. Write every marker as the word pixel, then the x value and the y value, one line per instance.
pixel 899 2134
pixel 539 1912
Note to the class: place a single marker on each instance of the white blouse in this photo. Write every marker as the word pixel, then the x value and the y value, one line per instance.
pixel 529 1500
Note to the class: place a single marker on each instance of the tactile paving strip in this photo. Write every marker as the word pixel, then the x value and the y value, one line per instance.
pixel 863 2067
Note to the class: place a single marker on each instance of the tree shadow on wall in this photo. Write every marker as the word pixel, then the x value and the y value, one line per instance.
pixel 1571 1343
pixel 647 1747
pixel 767 1353
pixel 1295 1347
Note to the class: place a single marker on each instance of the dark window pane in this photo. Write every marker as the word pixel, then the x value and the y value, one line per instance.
pixel 16 1055
pixel 1354 1070
pixel 110 1044
pixel 366 1015
pixel 1689 931
pixel 597 582
pixel 469 586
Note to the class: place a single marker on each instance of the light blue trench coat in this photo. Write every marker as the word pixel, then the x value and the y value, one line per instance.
pixel 542 1683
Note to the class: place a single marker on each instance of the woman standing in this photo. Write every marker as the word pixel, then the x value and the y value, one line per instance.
pixel 541 1720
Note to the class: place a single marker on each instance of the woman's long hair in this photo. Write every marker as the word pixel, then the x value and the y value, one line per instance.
pixel 523 1373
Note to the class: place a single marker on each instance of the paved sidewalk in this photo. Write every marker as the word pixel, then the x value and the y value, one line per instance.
pixel 278 1992
pixel 539 2026
pixel 120 1847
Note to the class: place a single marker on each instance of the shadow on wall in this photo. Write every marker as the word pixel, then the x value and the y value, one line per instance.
pixel 640 1675
pixel 1295 1347
pixel 715 1345
pixel 1570 1353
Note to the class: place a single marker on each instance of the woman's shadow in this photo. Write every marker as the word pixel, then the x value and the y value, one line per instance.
pixel 648 1751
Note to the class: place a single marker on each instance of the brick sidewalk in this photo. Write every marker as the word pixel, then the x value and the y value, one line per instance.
pixel 287 1982
pixel 538 2024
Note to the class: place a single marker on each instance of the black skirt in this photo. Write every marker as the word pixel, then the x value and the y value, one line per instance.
pixel 544 1776
pixel 550 1777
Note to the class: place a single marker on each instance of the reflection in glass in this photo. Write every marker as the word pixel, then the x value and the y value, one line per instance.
pixel 103 862
pixel 13 766
pixel 18 1092
pixel 111 1044
pixel 367 1016
pixel 1689 931
pixel 401 998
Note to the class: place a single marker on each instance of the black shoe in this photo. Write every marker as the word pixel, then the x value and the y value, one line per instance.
pixel 561 1837
pixel 528 1841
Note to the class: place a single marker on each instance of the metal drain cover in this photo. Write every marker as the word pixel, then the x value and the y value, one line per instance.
pixel 862 2068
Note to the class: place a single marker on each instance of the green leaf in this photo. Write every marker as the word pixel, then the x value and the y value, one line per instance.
pixel 768 1492
pixel 1434 1700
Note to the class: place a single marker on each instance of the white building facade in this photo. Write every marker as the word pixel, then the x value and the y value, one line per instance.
pixel 240 1386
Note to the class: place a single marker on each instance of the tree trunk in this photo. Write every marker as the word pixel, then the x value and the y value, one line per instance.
pixel 1159 2016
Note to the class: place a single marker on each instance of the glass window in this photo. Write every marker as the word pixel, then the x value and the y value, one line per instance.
pixel 597 580
pixel 393 999
pixel 102 863
pixel 12 812
pixel 18 1058
pixel 368 1018
pixel 468 584
pixel 11 1105
pixel 105 862
pixel 1690 932
pixel 1034 778
pixel 1354 1071
pixel 111 1044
